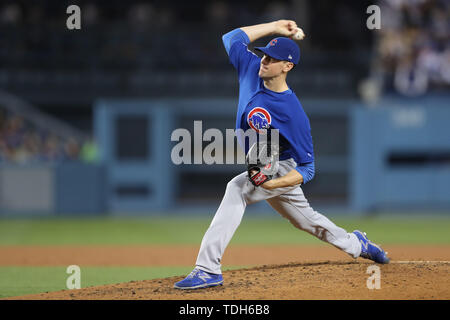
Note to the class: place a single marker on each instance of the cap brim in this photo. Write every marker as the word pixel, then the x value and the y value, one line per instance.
pixel 263 50
pixel 266 51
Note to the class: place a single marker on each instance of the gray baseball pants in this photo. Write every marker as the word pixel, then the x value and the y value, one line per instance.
pixel 289 202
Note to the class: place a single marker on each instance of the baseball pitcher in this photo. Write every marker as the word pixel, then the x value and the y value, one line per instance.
pixel 266 102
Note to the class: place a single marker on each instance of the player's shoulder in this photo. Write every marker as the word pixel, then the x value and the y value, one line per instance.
pixel 295 107
pixel 294 101
pixel 245 61
pixel 240 48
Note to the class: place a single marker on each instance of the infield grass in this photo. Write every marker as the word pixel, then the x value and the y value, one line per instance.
pixel 18 280
pixel 178 230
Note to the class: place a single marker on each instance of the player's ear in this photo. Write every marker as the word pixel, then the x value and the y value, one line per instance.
pixel 288 66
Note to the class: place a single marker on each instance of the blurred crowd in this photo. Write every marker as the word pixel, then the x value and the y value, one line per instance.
pixel 413 49
pixel 159 35
pixel 122 34
pixel 144 14
pixel 24 143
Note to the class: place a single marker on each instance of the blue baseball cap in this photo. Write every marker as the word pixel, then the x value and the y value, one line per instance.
pixel 282 49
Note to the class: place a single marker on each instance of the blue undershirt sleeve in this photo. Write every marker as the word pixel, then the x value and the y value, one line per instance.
pixel 307 170
pixel 236 44
pixel 236 35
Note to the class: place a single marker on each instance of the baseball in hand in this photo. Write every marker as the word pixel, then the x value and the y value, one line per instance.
pixel 299 35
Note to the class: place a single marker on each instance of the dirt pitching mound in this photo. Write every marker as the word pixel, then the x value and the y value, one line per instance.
pixel 294 281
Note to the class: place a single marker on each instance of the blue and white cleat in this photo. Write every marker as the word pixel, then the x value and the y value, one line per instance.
pixel 199 279
pixel 370 250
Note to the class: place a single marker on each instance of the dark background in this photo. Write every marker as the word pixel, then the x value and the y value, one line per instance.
pixel 160 48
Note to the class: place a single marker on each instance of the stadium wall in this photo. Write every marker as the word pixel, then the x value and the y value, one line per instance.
pixel 394 155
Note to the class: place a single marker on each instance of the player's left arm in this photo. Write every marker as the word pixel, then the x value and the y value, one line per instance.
pixel 292 178
pixel 300 175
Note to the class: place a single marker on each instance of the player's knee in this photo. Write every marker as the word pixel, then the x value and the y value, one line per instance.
pixel 236 187
pixel 234 184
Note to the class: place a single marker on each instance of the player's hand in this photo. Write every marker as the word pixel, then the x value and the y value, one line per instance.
pixel 286 28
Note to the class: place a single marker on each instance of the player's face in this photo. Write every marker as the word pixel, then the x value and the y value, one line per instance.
pixel 271 67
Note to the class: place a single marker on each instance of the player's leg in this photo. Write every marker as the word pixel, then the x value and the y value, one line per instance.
pixel 225 222
pixel 238 194
pixel 295 207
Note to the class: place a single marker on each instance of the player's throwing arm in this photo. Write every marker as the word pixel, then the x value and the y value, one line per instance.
pixel 285 28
